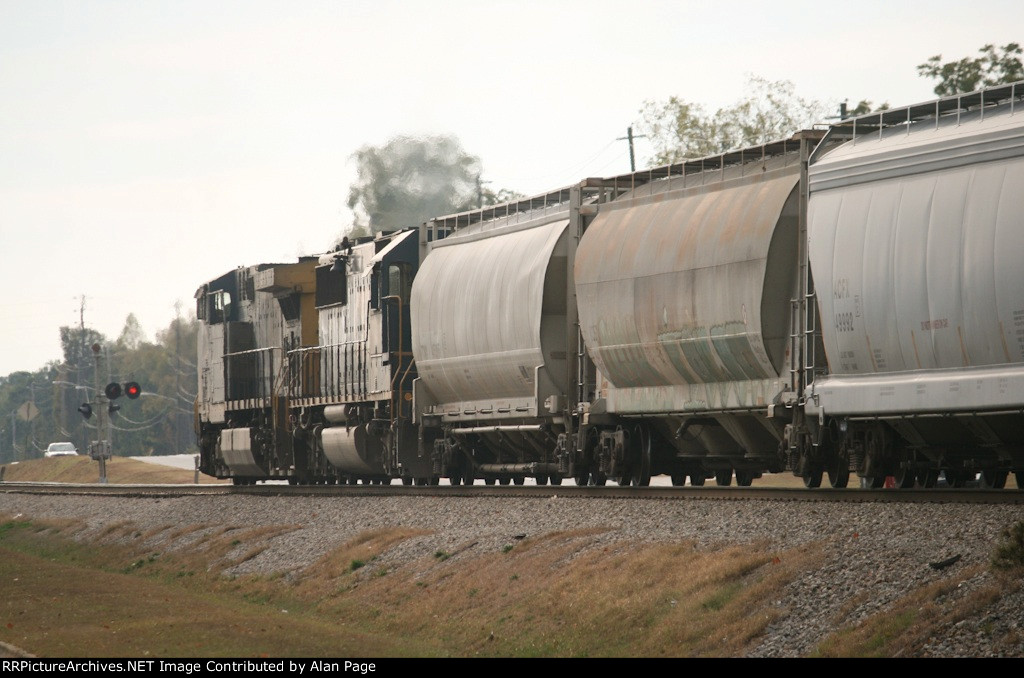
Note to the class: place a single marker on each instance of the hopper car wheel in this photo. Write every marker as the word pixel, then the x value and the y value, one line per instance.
pixel 678 479
pixel 812 476
pixel 839 473
pixel 555 479
pixel 723 478
pixel 642 458
pixel 994 479
pixel 1019 474
pixel 582 479
pixel 407 480
pixel 905 478
pixel 434 480
pixel 598 479
pixel 506 481
pixel 697 480
pixel 488 481
pixel 519 480
pixel 928 477
pixel 744 478
pixel 542 479
pixel 454 478
pixel 873 482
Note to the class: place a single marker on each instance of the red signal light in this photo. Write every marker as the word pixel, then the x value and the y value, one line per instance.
pixel 132 390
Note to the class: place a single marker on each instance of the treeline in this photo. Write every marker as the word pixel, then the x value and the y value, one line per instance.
pixel 159 422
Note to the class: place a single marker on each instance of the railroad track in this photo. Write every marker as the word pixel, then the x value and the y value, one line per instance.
pixel 851 495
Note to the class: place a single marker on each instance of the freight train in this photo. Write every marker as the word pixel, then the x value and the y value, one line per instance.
pixel 848 300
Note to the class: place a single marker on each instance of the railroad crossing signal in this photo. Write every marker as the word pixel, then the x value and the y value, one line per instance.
pixel 113 391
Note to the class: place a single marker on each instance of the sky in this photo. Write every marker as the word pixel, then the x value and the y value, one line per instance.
pixel 147 147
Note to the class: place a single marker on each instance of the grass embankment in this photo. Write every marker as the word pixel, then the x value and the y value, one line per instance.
pixel 170 593
pixel 556 595
pixel 82 469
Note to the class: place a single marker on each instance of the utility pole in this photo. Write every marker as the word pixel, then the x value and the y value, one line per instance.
pixel 629 136
pixel 480 192
pixel 100 450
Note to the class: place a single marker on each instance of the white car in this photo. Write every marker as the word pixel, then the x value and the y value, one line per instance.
pixel 61 450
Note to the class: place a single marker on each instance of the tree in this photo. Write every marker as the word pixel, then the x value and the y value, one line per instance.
pixel 771 110
pixel 132 334
pixel 995 66
pixel 409 180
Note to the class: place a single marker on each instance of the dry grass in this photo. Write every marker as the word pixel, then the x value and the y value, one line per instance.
pixel 561 594
pixel 62 600
pixel 907 625
pixel 81 469
pixel 566 594
pixel 171 592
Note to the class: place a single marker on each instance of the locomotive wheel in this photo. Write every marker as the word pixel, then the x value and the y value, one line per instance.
pixel 555 479
pixel 905 478
pixel 488 481
pixel 1019 473
pixel 956 477
pixel 678 479
pixel 598 479
pixel 723 478
pixel 518 480
pixel 994 479
pixel 582 479
pixel 407 480
pixel 541 479
pixel 434 480
pixel 697 480
pixel 928 477
pixel 455 478
pixel 744 478
pixel 873 482
pixel 504 481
